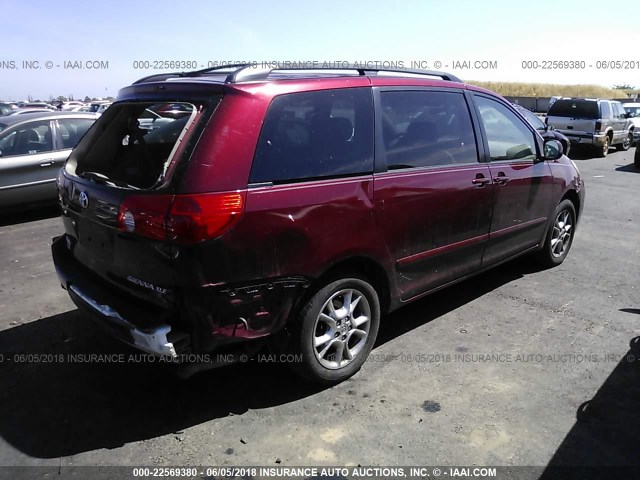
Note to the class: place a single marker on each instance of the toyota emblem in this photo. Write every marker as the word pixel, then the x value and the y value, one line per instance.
pixel 84 200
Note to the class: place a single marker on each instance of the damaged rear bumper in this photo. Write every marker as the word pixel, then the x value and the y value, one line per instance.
pixel 205 319
pixel 153 341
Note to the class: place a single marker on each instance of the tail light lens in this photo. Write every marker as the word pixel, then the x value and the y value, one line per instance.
pixel 145 215
pixel 180 218
pixel 598 126
pixel 194 218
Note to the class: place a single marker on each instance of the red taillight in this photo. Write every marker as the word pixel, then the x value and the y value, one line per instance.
pixel 180 218
pixel 145 215
pixel 194 218
pixel 598 126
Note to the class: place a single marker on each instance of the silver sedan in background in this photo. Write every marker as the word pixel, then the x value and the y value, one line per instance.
pixel 33 147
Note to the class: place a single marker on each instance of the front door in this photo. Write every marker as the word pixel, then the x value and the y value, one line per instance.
pixel 523 185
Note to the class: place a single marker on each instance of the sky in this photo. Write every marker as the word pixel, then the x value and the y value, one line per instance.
pixel 123 40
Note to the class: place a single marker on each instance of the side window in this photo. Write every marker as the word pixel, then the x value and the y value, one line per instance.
pixel 27 139
pixel 72 130
pixel 507 135
pixel 619 110
pixel 606 110
pixel 426 129
pixel 319 134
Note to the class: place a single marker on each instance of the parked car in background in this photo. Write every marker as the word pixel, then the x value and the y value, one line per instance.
pixel 5 109
pixel 150 120
pixel 599 124
pixel 172 110
pixel 99 107
pixel 67 106
pixel 633 111
pixel 267 214
pixel 33 147
pixel 22 111
pixel 547 131
pixel 41 105
pixel 83 108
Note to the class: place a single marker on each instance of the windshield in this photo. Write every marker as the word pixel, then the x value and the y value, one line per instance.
pixel 131 145
pixel 575 109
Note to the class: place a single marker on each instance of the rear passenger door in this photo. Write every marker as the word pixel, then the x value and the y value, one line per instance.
pixel 523 185
pixel 433 195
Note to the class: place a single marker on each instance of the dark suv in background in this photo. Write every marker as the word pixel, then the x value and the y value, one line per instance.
pixel 299 207
pixel 600 124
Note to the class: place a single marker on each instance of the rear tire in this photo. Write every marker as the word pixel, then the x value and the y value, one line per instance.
pixel 336 330
pixel 559 235
pixel 626 145
pixel 604 150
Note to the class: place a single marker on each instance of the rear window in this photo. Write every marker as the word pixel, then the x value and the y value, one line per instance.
pixel 310 135
pixel 575 109
pixel 130 145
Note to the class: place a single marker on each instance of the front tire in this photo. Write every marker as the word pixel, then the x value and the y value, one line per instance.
pixel 336 330
pixel 626 145
pixel 559 235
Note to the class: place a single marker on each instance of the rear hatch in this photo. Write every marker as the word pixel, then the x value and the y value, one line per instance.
pixel 116 190
pixel 574 117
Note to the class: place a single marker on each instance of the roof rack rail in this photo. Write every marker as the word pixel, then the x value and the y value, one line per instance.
pixel 253 72
pixel 248 72
pixel 196 73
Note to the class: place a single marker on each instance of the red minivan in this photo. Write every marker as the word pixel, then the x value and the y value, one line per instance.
pixel 298 206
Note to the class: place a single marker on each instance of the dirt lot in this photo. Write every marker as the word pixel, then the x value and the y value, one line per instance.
pixel 514 367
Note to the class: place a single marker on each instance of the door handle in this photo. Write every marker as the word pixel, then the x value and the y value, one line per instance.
pixel 480 181
pixel 46 163
pixel 501 179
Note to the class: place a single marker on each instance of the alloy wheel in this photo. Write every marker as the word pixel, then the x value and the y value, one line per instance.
pixel 562 231
pixel 342 328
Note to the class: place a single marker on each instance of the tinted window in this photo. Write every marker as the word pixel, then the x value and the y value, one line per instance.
pixel 425 129
pixel 72 130
pixel 606 110
pixel 575 109
pixel 314 135
pixel 27 139
pixel 507 135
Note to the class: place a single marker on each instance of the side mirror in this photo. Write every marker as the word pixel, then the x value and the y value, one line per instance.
pixel 552 150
